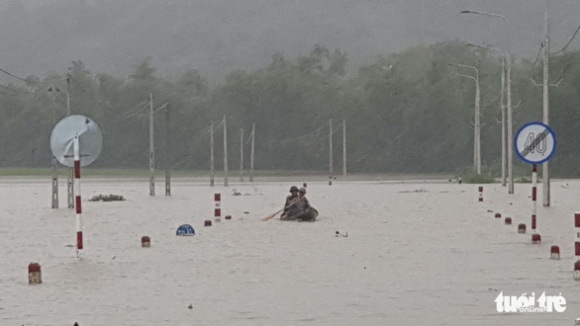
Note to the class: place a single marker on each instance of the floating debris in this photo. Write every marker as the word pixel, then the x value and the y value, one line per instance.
pixel 413 191
pixel 107 198
pixel 341 235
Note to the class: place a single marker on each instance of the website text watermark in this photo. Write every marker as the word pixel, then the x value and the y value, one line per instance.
pixel 529 303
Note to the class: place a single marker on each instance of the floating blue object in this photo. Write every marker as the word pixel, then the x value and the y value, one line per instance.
pixel 185 230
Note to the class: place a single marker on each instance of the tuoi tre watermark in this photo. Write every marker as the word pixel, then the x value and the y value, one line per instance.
pixel 529 303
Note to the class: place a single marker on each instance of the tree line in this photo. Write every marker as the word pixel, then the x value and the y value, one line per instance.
pixel 404 112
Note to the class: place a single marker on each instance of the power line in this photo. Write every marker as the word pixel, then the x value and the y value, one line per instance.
pixel 27 80
pixel 538 55
pixel 134 111
pixel 90 96
pixel 571 39
pixel 14 76
pixel 311 134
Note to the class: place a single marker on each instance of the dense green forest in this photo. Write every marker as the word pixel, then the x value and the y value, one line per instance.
pixel 405 112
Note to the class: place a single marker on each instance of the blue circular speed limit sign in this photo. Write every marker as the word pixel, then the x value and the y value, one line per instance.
pixel 535 143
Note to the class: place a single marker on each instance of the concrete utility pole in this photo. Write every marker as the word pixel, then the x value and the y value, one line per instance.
pixel 70 191
pixel 151 149
pixel 344 147
pixel 509 100
pixel 545 109
pixel 330 144
pixel 510 132
pixel 68 96
pixel 167 160
pixel 252 153
pixel 477 124
pixel 225 153
pixel 502 105
pixel 54 183
pixel 546 101
pixel 54 171
pixel 242 154
pixel 211 161
pixel 70 173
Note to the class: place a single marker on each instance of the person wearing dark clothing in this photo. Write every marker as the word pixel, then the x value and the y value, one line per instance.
pixel 303 203
pixel 290 204
pixel 305 211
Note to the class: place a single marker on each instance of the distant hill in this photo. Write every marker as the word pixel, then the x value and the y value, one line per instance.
pixel 217 36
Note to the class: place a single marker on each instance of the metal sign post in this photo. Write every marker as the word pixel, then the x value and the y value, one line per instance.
pixel 76 141
pixel 535 143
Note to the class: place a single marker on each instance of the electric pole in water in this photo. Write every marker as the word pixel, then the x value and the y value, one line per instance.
pixel 242 154
pixel 211 161
pixel 54 169
pixel 167 160
pixel 330 144
pixel 344 147
pixel 70 174
pixel 252 153
pixel 546 100
pixel 151 149
pixel 545 109
pixel 225 153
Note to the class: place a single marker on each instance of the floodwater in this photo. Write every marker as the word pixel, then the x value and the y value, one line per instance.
pixel 417 253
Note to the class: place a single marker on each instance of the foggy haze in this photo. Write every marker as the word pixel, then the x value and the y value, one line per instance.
pixel 217 36
pixel 382 71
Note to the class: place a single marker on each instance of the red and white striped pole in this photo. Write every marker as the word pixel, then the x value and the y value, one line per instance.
pixel 480 188
pixel 577 245
pixel 77 170
pixel 217 211
pixel 536 238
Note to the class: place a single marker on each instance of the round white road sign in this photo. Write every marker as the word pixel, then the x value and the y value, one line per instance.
pixel 535 143
pixel 64 133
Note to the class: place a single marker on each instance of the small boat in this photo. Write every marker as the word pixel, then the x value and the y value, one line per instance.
pixel 308 215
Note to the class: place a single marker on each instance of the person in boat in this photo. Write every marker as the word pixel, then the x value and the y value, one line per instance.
pixel 290 209
pixel 306 212
pixel 300 209
pixel 302 203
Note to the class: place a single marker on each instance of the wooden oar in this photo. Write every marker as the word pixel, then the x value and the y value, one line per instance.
pixel 269 217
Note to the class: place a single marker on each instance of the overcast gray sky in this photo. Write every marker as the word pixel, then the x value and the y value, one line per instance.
pixel 216 36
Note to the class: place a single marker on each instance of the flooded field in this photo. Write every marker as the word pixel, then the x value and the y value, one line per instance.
pixel 417 253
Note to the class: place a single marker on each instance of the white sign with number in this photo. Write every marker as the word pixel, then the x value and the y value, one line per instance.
pixel 535 143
